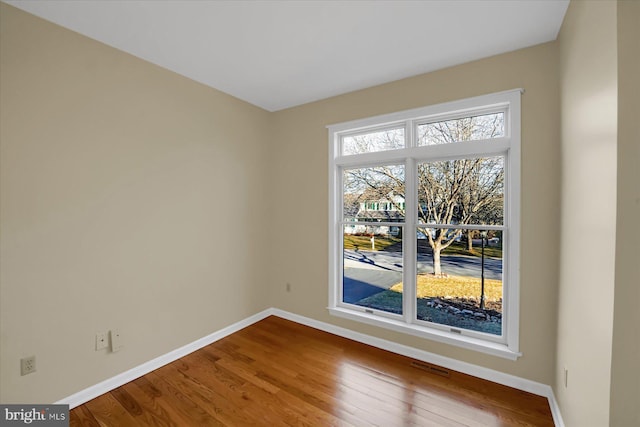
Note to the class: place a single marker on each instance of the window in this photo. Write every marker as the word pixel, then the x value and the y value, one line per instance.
pixel 424 222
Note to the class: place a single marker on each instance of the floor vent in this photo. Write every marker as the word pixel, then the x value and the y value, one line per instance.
pixel 431 368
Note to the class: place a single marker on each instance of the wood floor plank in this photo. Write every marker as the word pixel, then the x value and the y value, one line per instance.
pixel 186 409
pixel 211 401
pixel 82 417
pixel 279 373
pixel 150 409
pixel 242 395
pixel 108 411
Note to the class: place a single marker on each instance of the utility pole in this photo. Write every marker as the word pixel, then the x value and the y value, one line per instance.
pixel 483 236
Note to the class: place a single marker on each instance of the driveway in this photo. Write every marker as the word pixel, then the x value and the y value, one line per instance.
pixel 360 283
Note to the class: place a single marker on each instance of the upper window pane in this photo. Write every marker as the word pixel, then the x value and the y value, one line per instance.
pixel 465 129
pixel 383 140
pixel 463 191
pixel 374 194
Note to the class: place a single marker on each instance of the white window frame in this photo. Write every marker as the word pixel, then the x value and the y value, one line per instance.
pixel 506 345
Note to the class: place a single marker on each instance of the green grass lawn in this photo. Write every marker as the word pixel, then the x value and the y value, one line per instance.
pixel 364 242
pixel 382 243
pixel 460 248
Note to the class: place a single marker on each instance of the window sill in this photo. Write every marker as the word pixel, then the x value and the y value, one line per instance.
pixel 494 349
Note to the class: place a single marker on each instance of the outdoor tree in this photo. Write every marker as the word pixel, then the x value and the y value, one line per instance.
pixel 460 191
pixel 450 192
pixel 455 192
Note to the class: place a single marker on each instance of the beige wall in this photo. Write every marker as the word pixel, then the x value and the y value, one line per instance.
pixel 588 80
pixel 128 196
pixel 300 173
pixel 625 378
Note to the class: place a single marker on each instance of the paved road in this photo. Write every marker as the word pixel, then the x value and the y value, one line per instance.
pixel 367 273
pixel 459 265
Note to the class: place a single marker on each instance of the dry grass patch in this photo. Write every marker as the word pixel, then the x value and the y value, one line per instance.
pixel 455 286
pixel 364 242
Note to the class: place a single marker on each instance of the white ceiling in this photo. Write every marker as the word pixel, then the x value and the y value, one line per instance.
pixel 278 54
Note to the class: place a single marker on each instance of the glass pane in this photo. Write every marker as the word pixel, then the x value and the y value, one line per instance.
pixel 464 191
pixel 373 194
pixel 466 129
pixel 389 139
pixel 459 282
pixel 373 267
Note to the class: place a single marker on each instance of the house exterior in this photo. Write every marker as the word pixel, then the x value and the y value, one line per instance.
pixel 373 210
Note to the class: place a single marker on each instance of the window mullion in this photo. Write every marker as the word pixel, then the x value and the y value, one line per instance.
pixel 335 235
pixel 410 244
pixel 410 131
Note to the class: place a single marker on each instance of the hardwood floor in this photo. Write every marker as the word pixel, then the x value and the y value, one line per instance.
pixel 279 373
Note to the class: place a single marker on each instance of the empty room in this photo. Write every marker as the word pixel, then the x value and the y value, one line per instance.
pixel 320 213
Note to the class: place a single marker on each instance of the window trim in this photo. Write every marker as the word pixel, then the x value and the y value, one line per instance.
pixel 508 145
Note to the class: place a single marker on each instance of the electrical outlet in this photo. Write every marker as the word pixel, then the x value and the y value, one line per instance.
pixel 102 341
pixel 288 287
pixel 116 340
pixel 27 365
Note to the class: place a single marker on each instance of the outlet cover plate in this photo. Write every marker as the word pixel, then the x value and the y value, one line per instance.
pixel 116 340
pixel 27 365
pixel 102 340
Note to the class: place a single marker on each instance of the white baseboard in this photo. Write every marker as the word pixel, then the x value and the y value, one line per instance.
pixel 105 386
pixel 555 409
pixel 449 363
